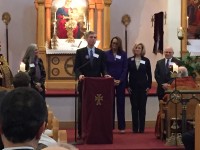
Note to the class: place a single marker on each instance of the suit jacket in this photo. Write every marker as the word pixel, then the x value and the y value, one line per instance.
pixel 83 66
pixel 160 71
pixel 117 67
pixel 140 78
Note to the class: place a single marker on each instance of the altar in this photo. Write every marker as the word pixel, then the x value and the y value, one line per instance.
pixel 84 15
pixel 60 64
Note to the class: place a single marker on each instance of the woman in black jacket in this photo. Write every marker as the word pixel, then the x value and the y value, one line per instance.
pixel 140 80
pixel 35 68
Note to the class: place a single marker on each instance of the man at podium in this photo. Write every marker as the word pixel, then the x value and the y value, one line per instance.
pixel 89 62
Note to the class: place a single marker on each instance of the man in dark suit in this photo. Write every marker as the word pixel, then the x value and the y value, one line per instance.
pixel 23 115
pixel 162 71
pixel 89 62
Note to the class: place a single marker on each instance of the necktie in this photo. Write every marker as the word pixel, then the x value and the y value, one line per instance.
pixel 91 57
pixel 167 66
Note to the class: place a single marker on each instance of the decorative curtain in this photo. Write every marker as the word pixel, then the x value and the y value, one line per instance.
pixel 158 33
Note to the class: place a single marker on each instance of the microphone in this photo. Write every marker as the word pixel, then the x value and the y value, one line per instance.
pixel 83 65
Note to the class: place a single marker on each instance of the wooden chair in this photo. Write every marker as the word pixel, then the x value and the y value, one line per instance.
pixel 197 127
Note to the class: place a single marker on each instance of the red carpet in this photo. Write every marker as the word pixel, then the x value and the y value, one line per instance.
pixel 128 141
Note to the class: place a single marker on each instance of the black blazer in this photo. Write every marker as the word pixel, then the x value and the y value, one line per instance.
pixel 82 64
pixel 160 72
pixel 140 78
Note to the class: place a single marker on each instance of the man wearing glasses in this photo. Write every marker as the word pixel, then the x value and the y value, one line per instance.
pixel 162 71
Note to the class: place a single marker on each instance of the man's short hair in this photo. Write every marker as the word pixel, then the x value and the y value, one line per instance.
pixel 89 33
pixel 22 114
pixel 21 79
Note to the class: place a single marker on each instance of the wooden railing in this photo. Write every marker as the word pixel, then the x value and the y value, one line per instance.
pixel 197 127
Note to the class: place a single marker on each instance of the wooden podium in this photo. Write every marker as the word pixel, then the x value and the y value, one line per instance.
pixel 97 110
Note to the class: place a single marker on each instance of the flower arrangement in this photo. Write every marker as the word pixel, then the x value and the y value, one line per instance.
pixel 192 63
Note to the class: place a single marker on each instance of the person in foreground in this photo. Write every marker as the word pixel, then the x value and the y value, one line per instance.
pixel 139 83
pixel 21 79
pixel 35 68
pixel 23 115
pixel 162 71
pixel 89 62
pixel 116 63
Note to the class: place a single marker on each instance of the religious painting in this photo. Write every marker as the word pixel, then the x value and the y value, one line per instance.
pixel 69 18
pixel 193 19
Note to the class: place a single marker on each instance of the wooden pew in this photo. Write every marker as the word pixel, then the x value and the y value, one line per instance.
pixel 197 127
pixel 53 126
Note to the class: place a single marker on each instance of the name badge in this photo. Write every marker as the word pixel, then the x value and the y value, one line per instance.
pixel 32 65
pixel 118 57
pixel 96 55
pixel 142 62
pixel 132 59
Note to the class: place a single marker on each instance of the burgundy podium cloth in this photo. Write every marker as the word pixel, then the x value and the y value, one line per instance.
pixel 97 110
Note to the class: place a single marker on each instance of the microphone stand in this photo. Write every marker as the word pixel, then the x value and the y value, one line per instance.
pixel 75 98
pixel 75 116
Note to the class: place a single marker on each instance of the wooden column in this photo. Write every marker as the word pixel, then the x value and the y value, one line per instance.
pixel 106 32
pixel 99 24
pixel 41 31
pixel 36 6
pixel 41 25
pixel 48 4
pixel 184 25
pixel 91 17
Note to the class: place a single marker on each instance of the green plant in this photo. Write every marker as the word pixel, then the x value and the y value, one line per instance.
pixel 192 63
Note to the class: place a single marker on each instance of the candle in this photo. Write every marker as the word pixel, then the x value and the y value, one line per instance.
pixel 180 32
pixel 22 67
pixel 55 16
pixel 175 68
pixel 187 22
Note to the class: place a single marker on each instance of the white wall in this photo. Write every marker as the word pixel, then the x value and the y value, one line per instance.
pixel 21 29
pixel 140 29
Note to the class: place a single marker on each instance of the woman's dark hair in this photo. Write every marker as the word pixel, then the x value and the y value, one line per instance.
pixel 119 43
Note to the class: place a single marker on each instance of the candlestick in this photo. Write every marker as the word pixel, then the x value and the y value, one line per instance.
pixel 22 67
pixel 180 33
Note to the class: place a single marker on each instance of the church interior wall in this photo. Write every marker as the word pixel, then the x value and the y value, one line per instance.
pixel 22 32
pixel 22 27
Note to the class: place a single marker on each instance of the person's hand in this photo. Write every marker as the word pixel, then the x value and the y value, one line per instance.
pixel 117 82
pixel 147 90
pixel 129 90
pixel 81 77
pixel 38 86
pixel 107 76
pixel 1 75
pixel 165 86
